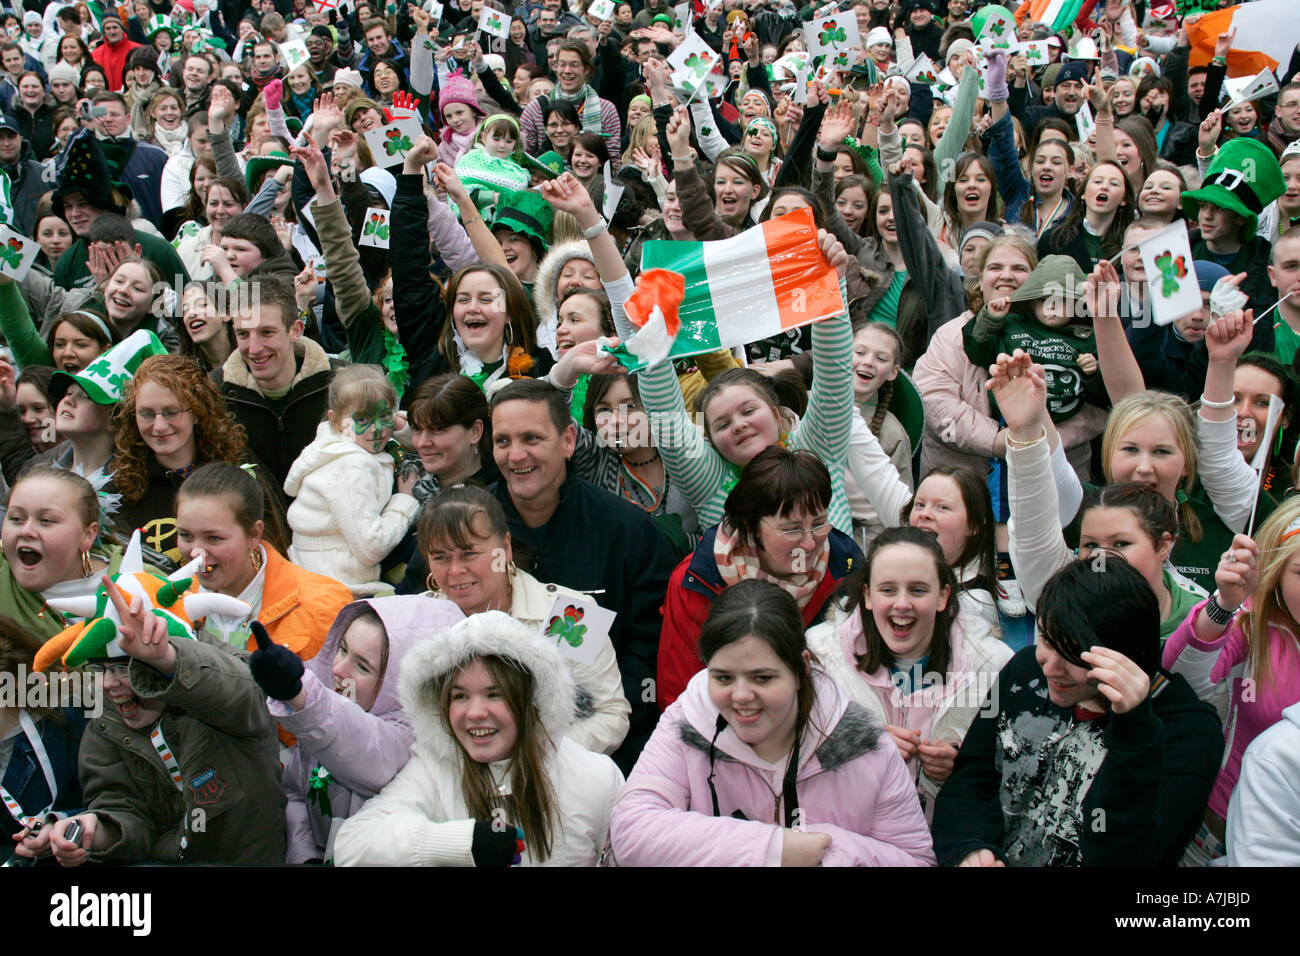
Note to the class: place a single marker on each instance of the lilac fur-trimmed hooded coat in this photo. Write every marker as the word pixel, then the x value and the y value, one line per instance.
pixel 362 750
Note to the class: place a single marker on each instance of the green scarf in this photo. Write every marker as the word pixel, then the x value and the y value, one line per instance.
pixel 588 112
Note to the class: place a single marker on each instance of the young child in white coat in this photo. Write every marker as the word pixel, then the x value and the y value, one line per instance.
pixel 346 518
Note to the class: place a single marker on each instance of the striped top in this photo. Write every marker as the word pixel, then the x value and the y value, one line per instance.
pixel 693 463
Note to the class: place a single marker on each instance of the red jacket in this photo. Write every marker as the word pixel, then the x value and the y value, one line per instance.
pixel 113 60
pixel 695 582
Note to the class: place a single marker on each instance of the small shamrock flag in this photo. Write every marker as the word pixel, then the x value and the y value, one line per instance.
pixel 1171 270
pixel 1167 257
pixel 390 143
pixel 579 627
pixel 831 34
pixel 374 232
pixel 696 65
pixel 566 627
pixel 16 253
pixel 494 23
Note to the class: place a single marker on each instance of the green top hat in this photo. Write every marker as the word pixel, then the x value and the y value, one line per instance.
pixel 526 212
pixel 105 379
pixel 1244 176
pixel 260 164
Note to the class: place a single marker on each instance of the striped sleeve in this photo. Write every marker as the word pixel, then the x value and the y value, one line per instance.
pixel 826 428
pixel 691 462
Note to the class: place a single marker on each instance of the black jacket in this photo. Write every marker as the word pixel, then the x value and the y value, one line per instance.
pixel 37 128
pixel 1036 786
pixel 417 301
pixel 278 437
pixel 601 545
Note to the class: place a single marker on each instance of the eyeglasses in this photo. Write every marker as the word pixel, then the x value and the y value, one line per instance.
pixel 169 415
pixel 797 534
pixel 120 671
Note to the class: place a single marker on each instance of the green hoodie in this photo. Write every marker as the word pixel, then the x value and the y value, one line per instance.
pixel 1056 349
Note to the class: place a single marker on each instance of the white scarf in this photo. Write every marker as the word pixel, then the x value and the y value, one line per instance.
pixel 172 141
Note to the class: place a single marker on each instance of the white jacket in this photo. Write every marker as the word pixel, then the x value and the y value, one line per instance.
pixel 421 819
pixel 346 517
pixel 601 710
pixel 1266 801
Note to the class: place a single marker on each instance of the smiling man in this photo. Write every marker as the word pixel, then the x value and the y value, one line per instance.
pixel 276 384
pixel 584 538
pixel 112 52
pixel 1086 752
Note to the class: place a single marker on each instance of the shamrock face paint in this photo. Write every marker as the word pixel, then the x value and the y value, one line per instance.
pixel 371 427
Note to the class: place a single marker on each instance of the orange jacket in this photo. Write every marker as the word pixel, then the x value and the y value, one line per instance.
pixel 298 606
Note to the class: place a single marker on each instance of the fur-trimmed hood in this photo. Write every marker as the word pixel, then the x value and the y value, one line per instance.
pixel 313 362
pixel 838 730
pixel 492 632
pixel 545 297
pixel 408 619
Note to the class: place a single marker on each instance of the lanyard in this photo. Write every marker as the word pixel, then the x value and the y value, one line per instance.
pixel 168 758
pixel 38 748
pixel 169 761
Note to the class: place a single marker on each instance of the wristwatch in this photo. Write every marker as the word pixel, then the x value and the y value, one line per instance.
pixel 591 232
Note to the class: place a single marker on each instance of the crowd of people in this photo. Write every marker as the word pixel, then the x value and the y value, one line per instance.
pixel 320 463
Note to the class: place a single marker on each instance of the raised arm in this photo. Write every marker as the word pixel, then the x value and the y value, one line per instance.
pixel 1119 368
pixel 1038 548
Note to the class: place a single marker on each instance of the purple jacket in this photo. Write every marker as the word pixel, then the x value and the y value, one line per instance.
pixel 851 784
pixel 362 750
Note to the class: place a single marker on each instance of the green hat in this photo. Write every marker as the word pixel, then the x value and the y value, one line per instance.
pixel 1055 275
pixel 275 159
pixel 549 165
pixel 105 380
pixel 1244 176
pixel 905 404
pixel 527 212
pixel 552 161
pixel 161 23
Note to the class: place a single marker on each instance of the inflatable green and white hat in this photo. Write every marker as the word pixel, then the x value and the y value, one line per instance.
pixel 161 23
pixel 105 379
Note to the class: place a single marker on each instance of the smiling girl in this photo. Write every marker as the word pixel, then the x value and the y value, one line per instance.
pixel 467 547
pixel 492 780
pixel 345 518
pixel 170 421
pixel 222 516
pixel 905 654
pixel 74 340
pixel 1161 193
pixel 342 706
pixel 738 771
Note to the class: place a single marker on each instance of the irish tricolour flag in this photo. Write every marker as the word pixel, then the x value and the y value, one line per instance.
pixel 762 282
pixel 1266 33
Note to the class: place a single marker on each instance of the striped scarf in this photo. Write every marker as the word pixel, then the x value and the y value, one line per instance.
pixel 588 112
pixel 737 563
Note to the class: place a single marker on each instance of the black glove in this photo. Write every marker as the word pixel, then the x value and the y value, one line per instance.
pixel 497 848
pixel 277 670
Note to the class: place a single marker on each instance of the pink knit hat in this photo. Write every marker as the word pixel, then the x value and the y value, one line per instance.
pixel 458 88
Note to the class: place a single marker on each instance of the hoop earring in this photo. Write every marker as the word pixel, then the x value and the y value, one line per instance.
pixel 255 559
pixel 509 335
pixel 86 569
pixel 429 582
